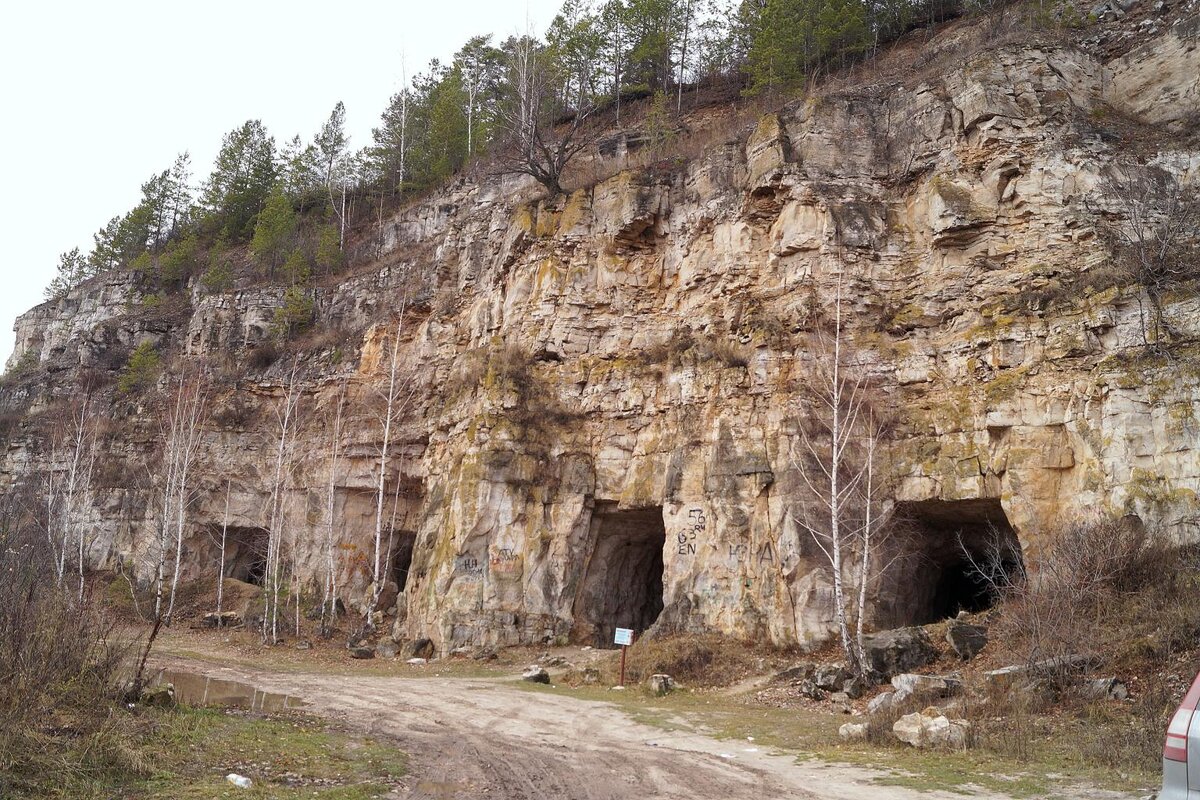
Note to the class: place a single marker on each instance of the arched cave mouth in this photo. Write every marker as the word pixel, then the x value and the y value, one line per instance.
pixel 947 556
pixel 623 582
pixel 246 554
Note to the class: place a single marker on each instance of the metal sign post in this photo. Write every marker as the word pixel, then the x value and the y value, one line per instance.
pixel 623 637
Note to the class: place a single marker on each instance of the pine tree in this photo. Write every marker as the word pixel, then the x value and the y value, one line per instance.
pixel 331 144
pixel 72 269
pixel 274 231
pixel 241 180
pixel 329 253
pixel 142 369
pixel 296 271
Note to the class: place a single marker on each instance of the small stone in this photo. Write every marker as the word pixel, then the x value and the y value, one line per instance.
pixel 536 674
pixel 1106 689
pixel 161 696
pixel 417 648
pixel 853 732
pixel 660 684
pixel 304 644
pixel 416 662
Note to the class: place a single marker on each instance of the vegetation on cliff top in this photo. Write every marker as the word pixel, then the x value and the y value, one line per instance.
pixel 505 102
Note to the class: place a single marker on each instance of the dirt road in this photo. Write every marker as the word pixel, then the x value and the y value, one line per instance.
pixel 487 738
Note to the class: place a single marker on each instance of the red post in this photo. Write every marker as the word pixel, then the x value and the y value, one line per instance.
pixel 623 649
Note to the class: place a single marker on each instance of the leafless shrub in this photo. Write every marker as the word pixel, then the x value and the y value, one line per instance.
pixel 1104 586
pixel 60 669
pixel 1153 226
pixel 1055 607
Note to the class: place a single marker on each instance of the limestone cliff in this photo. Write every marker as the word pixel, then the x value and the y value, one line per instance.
pixel 602 388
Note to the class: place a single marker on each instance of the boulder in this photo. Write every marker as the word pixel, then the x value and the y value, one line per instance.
pixel 899 650
pixel 931 728
pixel 881 703
pixel 660 684
pixel 924 687
pixel 536 674
pixel 854 688
pixel 591 675
pixel 386 649
pixel 362 651
pixel 830 677
pixel 965 639
pixel 417 648
pixel 853 732
pixel 804 671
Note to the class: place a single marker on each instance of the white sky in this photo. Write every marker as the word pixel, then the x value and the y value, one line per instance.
pixel 97 96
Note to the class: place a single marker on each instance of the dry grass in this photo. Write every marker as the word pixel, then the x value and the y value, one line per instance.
pixel 705 660
pixel 1103 586
pixel 60 669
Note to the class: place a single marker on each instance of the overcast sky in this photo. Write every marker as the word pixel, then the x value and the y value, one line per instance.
pixel 97 96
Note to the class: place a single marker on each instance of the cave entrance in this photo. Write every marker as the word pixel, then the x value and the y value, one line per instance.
pixel 623 581
pixel 246 554
pixel 950 556
pixel 402 556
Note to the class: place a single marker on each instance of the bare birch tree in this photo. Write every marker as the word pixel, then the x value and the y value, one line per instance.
pixel 188 413
pixel 838 463
pixel 71 463
pixel 286 416
pixel 329 584
pixel 221 557
pixel 395 403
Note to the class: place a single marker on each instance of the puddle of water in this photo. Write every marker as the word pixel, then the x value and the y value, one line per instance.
pixel 201 690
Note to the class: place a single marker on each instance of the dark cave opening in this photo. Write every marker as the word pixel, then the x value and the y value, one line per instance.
pixel 623 583
pixel 246 554
pixel 947 556
pixel 402 556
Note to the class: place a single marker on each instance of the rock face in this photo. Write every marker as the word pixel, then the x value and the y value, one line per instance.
pixel 605 388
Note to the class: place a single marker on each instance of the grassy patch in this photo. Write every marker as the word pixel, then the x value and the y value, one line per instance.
pixel 185 754
pixel 286 756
